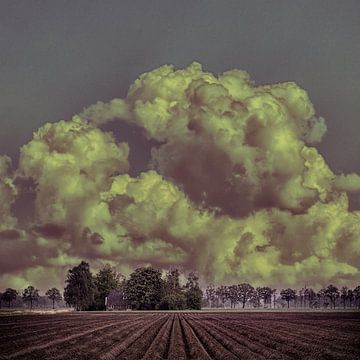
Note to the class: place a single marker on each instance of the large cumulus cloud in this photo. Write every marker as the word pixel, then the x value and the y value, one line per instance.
pixel 8 194
pixel 231 145
pixel 236 189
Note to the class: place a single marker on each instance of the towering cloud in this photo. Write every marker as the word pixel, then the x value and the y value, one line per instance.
pixel 8 193
pixel 231 145
pixel 236 190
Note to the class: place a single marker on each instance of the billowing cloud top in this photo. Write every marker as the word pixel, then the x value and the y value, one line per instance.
pixel 235 188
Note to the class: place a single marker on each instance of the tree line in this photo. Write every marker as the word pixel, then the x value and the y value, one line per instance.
pixel 246 295
pixel 30 296
pixel 147 288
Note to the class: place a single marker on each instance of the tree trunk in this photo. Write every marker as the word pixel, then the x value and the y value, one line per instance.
pixel 53 303
pixel 9 304
pixel 288 301
pixel 30 304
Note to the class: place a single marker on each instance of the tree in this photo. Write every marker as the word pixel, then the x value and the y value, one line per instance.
pixel 193 293
pixel 106 280
pixel 245 292
pixel 9 295
pixel 321 296
pixel 350 296
pixel 310 294
pixel 332 293
pixel 256 297
pixel 265 293
pixel 344 295
pixel 356 293
pixel 288 295
pixel 210 294
pixel 173 296
pixel 273 293
pixel 144 289
pixel 30 294
pixel 222 294
pixel 232 295
pixel 54 295
pixel 80 289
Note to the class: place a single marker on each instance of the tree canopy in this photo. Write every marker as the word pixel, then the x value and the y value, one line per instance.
pixel 80 289
pixel 144 288
pixel 106 280
pixel 54 295
pixel 9 295
pixel 193 293
pixel 30 294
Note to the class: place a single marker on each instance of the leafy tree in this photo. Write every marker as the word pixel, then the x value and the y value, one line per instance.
pixel 265 293
pixel 256 297
pixel 9 295
pixel 245 292
pixel 30 294
pixel 210 293
pixel 288 295
pixel 80 289
pixel 144 289
pixel 350 296
pixel 233 295
pixel 356 293
pixel 332 293
pixel 222 294
pixel 173 297
pixel 310 295
pixel 54 295
pixel 344 295
pixel 321 298
pixel 106 280
pixel 193 293
pixel 273 292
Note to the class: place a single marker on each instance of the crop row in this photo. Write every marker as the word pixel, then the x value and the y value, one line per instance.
pixel 180 336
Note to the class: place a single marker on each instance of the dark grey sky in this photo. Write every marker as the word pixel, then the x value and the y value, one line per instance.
pixel 57 57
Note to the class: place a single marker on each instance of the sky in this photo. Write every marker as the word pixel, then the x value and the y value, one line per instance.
pixel 58 58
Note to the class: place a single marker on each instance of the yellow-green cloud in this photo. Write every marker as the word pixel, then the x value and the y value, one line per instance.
pixel 237 190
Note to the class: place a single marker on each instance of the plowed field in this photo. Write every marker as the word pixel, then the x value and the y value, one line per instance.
pixel 165 335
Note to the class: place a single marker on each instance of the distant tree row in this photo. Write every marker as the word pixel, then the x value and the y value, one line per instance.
pixel 145 289
pixel 246 295
pixel 148 289
pixel 29 296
